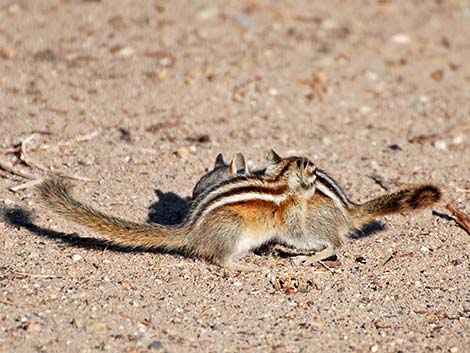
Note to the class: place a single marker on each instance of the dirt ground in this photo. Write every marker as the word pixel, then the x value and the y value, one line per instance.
pixel 140 96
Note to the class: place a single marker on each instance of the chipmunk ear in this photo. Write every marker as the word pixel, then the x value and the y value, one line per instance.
pixel 272 157
pixel 238 164
pixel 219 161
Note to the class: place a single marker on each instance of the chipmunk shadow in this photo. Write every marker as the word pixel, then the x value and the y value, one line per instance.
pixel 20 218
pixel 170 209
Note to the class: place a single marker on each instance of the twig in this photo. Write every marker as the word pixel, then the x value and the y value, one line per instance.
pixel 24 156
pixel 326 266
pixel 125 316
pixel 33 164
pixel 63 143
pixel 379 180
pixel 10 169
pixel 27 185
pixel 27 305
pixel 460 218
pixel 34 275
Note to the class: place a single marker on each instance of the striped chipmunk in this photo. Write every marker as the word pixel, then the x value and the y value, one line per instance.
pixel 225 221
pixel 331 216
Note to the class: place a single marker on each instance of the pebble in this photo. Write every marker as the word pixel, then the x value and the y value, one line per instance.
pixel 182 152
pixel 166 61
pixel 123 52
pixel 440 145
pixel 273 92
pixel 77 257
pixel 374 348
pixel 207 13
pixel 155 345
pixel 7 52
pixel 454 350
pixel 400 38
pixel 365 109
pixel 8 202
pixel 244 21
pixel 98 327
pixel 372 76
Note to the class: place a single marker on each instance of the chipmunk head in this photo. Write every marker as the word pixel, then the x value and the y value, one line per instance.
pixel 221 171
pixel 299 171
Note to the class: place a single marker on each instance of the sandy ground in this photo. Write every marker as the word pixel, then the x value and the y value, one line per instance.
pixel 370 90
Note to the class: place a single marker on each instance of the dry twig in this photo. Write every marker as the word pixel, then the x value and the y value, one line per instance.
pixel 460 218
pixel 26 185
pixel 12 170
pixel 125 316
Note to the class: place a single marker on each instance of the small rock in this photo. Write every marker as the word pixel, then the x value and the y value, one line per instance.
pixel 182 152
pixel 98 327
pixel 32 327
pixel 237 284
pixel 365 109
pixel 207 13
pixel 273 92
pixel 7 52
pixel 77 323
pixel 122 51
pixel 166 61
pixel 374 348
pixel 372 76
pixel 8 202
pixel 155 345
pixel 454 350
pixel 361 260
pixel 424 249
pixel 244 21
pixel 437 75
pixel 400 38
pixel 77 257
pixel 440 145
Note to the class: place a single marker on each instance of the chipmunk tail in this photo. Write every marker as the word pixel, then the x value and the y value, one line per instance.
pixel 407 199
pixel 56 194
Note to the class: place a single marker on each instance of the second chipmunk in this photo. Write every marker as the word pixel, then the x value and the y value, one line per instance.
pixel 226 220
pixel 330 215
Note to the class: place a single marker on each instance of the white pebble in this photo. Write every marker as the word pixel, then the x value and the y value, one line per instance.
pixel 374 348
pixel 77 257
pixel 8 202
pixel 400 38
pixel 440 145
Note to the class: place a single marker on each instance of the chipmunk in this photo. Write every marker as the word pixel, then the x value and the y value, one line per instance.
pixel 221 171
pixel 331 216
pixel 225 221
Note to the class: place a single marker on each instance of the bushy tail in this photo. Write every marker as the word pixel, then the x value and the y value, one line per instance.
pixel 406 199
pixel 56 194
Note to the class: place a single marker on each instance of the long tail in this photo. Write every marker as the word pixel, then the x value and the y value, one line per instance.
pixel 406 199
pixel 56 194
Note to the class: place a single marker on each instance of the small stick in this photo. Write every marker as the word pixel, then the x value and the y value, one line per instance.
pixel 10 169
pixel 33 164
pixel 326 266
pixel 26 159
pixel 125 316
pixel 81 138
pixel 27 305
pixel 461 218
pixel 27 185
pixel 34 275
